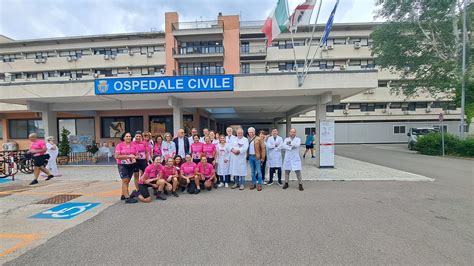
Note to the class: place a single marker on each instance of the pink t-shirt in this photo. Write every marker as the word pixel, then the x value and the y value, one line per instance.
pixel 124 149
pixel 168 171
pixel 188 168
pixel 197 150
pixel 151 171
pixel 157 149
pixel 206 170
pixel 141 149
pixel 209 150
pixel 38 144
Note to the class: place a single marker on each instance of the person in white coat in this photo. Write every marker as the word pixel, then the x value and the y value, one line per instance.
pixel 230 135
pixel 53 155
pixel 292 161
pixel 223 162
pixel 274 145
pixel 238 159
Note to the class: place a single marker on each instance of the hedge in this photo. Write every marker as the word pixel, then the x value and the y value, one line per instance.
pixel 430 144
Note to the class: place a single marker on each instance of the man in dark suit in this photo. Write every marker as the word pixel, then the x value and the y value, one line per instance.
pixel 182 144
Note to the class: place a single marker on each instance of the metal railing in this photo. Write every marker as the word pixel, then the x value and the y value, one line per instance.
pixel 253 49
pixel 252 24
pixel 198 50
pixel 197 25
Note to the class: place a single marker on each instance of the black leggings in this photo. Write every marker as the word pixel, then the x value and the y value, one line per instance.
pixel 272 171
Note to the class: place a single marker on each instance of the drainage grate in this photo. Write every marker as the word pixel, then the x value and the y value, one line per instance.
pixel 58 199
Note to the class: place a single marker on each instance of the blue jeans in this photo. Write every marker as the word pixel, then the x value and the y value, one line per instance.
pixel 255 170
pixel 239 180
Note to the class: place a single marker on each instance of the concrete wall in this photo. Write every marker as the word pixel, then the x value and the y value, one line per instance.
pixel 231 44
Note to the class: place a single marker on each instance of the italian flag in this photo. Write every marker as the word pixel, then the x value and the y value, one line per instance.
pixel 277 22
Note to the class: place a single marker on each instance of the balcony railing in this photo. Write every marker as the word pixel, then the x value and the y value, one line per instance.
pixel 253 49
pixel 197 25
pixel 252 24
pixel 198 50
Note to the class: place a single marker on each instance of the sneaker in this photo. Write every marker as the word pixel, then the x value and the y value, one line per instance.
pixel 280 183
pixel 134 194
pixel 175 194
pixel 160 197
pixel 215 185
pixel 252 187
pixel 191 191
pixel 242 187
pixel 49 177
pixel 259 188
pixel 285 186
pixel 304 156
pixel 235 186
pixel 197 191
pixel 155 191
pixel 226 185
pixel 183 189
pixel 34 182
pixel 166 192
pixel 269 183
pixel 300 187
pixel 209 188
pixel 131 200
pixel 221 185
pixel 123 197
pixel 313 156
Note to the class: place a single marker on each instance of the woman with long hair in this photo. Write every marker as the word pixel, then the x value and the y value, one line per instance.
pixel 170 175
pixel 126 155
pixel 141 160
pixel 157 146
pixel 168 147
pixel 196 149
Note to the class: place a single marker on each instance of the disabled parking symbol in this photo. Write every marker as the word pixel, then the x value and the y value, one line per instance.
pixel 65 211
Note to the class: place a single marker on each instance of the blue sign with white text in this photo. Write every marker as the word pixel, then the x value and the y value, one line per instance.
pixel 65 211
pixel 164 84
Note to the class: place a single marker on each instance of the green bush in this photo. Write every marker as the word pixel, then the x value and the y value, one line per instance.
pixel 430 144
pixel 64 146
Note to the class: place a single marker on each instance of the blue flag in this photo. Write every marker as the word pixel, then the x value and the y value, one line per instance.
pixel 328 27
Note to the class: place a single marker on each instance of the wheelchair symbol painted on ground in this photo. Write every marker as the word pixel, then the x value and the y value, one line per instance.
pixel 65 210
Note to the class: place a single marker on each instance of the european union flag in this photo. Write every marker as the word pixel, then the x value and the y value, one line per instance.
pixel 328 27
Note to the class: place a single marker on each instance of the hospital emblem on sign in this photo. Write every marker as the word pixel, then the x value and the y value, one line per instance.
pixel 102 86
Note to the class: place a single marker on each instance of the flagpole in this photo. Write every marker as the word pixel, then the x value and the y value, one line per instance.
pixel 295 66
pixel 312 34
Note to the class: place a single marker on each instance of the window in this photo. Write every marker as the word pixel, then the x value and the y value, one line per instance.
pixel 1 129
pixel 421 105
pixel 380 106
pixel 330 108
pixel 354 106
pixel 395 105
pixel 367 107
pixel 201 68
pixel 114 127
pixel 411 107
pixel 438 127
pixel 383 83
pixel 245 68
pixel 20 129
pixel 78 126
pixel 339 41
pixel 399 129
pixel 244 47
pixel 354 62
pixel 207 47
pixel 309 130
pixel 203 123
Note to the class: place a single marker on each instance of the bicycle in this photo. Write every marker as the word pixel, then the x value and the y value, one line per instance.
pixel 8 166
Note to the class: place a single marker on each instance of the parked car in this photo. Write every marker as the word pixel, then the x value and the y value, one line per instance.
pixel 417 132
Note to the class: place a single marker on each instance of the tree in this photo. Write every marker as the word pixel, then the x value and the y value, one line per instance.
pixel 64 146
pixel 422 41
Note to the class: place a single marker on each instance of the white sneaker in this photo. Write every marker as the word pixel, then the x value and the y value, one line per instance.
pixel 220 185
pixel 226 185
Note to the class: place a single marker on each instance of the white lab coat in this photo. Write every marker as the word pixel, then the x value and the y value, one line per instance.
pixel 238 163
pixel 168 150
pixel 292 161
pixel 274 151
pixel 223 153
pixel 53 155
pixel 230 139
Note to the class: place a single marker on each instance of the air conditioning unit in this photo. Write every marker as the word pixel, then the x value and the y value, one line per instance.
pixel 96 75
pixel 149 55
pixel 130 73
pixel 106 57
pixel 113 56
pixel 428 110
pixel 163 71
pixel 43 60
pixel 37 60
pixel 8 77
pixel 384 111
pixel 345 111
pixel 74 58
pixel 342 67
pixel 130 52
pixel 357 45
pixel 330 47
pixel 69 59
pixel 371 91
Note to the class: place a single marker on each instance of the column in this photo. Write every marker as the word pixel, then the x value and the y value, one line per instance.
pixel 288 125
pixel 177 119
pixel 320 115
pixel 50 123
pixel 146 123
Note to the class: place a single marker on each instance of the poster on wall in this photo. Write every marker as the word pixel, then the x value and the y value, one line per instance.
pixel 326 146
pixel 79 143
pixel 116 129
pixel 188 123
pixel 157 128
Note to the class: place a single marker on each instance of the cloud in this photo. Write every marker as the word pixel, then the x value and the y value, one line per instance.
pixel 30 19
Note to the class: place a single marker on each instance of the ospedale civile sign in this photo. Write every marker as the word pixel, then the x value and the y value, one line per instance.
pixel 173 84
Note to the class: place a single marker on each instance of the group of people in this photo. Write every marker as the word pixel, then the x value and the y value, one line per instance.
pixel 170 166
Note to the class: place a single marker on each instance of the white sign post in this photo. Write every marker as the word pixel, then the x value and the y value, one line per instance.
pixel 326 143
pixel 441 118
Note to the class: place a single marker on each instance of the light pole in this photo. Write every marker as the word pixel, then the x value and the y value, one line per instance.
pixel 463 73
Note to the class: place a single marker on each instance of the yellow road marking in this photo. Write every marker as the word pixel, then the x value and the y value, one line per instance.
pixel 26 239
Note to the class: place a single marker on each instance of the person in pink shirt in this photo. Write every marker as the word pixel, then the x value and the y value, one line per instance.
pixel 157 146
pixel 170 176
pixel 149 142
pixel 209 150
pixel 196 149
pixel 206 174
pixel 142 162
pixel 126 155
pixel 151 178
pixel 40 158
pixel 188 175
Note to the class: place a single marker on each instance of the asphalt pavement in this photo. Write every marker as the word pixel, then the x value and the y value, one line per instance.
pixel 331 222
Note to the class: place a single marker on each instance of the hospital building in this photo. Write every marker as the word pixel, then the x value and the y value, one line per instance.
pixel 206 74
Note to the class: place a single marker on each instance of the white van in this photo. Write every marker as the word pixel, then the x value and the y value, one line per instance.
pixel 416 132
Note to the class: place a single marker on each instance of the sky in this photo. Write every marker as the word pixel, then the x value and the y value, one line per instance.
pixel 32 19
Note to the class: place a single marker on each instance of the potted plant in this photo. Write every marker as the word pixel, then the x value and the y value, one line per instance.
pixel 64 147
pixel 93 149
